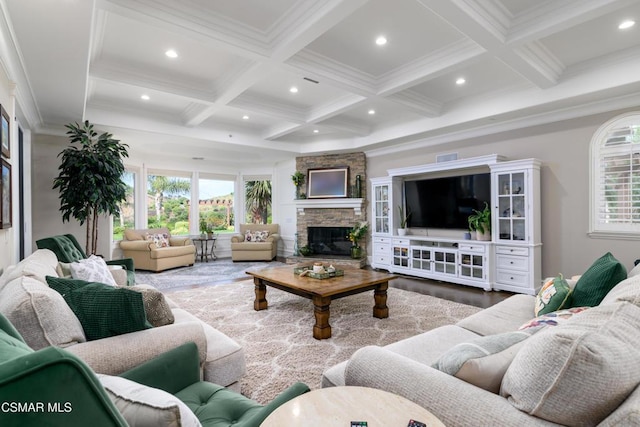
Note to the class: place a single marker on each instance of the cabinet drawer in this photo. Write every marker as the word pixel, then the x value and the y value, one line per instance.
pixel 377 239
pixel 381 259
pixel 512 262
pixel 466 247
pixel 510 250
pixel 512 278
pixel 401 242
pixel 381 248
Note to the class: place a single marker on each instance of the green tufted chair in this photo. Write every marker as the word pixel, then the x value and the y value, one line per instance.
pixel 71 395
pixel 67 249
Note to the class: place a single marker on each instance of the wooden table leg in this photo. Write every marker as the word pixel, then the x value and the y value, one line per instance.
pixel 380 309
pixel 260 302
pixel 322 329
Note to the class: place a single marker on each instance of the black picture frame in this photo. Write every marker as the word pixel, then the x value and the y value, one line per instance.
pixel 5 132
pixel 328 183
pixel 5 196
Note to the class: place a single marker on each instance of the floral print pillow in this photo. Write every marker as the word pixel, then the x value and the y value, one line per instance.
pixel 256 236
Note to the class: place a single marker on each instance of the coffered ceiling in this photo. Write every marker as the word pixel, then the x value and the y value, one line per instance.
pixel 227 93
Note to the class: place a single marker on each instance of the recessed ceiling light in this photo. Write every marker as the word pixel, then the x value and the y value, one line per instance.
pixel 372 112
pixel 316 131
pixel 461 81
pixel 145 97
pixel 626 24
pixel 171 53
pixel 293 89
pixel 245 117
pixel 381 40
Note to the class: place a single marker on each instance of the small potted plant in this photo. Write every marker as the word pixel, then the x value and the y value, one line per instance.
pixel 403 221
pixel 480 222
pixel 298 179
pixel 355 234
pixel 203 227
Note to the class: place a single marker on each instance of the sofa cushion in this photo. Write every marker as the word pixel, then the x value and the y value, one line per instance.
pixel 39 264
pixel 147 406
pixel 40 314
pixel 103 310
pixel 92 269
pixel 597 281
pixel 505 316
pixel 553 319
pixel 484 360
pixel 553 295
pixel 156 307
pixel 627 290
pixel 579 372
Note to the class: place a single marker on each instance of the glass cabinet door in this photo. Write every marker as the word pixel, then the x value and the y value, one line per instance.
pixel 381 209
pixel 512 193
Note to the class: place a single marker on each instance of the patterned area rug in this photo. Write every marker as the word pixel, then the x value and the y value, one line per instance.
pixel 278 342
pixel 202 273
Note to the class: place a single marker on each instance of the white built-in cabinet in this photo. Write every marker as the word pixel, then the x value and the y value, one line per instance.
pixel 510 261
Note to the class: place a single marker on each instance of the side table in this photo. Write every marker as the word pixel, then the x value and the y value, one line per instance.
pixel 205 247
pixel 338 406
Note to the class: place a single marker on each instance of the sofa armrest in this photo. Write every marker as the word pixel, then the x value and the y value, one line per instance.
pixel 136 245
pixel 171 371
pixel 126 263
pixel 115 355
pixel 273 237
pixel 62 389
pixel 453 401
pixel 180 241
pixel 237 238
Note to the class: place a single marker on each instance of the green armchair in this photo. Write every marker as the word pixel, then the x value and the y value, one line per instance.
pixel 67 249
pixel 54 388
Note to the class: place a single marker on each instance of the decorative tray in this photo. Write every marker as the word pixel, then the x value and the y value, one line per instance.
pixel 325 275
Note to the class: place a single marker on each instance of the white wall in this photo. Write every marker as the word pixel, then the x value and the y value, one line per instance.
pixel 9 237
pixel 284 210
pixel 563 149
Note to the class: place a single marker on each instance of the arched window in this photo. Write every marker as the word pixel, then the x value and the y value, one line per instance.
pixel 615 178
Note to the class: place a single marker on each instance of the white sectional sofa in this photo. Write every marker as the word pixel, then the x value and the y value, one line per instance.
pixel 44 319
pixel 584 371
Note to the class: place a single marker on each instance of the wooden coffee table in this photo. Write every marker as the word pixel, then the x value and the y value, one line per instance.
pixel 338 406
pixel 323 291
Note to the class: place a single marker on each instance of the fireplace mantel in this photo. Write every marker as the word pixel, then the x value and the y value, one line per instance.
pixel 338 203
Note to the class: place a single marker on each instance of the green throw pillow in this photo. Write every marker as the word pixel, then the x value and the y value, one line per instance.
pixel 553 296
pixel 597 281
pixel 103 310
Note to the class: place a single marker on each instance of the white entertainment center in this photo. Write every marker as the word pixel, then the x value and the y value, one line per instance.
pixel 510 261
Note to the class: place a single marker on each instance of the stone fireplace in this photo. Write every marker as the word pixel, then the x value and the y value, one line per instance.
pixel 340 214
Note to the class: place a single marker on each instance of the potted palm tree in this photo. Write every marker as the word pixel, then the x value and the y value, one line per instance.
pixel 480 222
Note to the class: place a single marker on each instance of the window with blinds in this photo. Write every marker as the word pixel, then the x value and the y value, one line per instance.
pixel 616 183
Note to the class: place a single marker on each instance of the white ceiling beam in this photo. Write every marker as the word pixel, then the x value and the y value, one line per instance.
pixel 347 126
pixel 334 108
pixel 269 108
pixel 417 103
pixel 280 130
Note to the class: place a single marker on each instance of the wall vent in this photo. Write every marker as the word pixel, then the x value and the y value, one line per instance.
pixel 446 157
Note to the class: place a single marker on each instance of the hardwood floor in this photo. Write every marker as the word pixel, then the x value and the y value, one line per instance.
pixel 450 291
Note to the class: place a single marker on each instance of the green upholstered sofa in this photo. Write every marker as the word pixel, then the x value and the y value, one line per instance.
pixel 53 387
pixel 67 249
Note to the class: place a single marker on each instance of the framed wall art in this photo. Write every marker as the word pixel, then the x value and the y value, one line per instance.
pixel 5 133
pixel 327 183
pixel 5 195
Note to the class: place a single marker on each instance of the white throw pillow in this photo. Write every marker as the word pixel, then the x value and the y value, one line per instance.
pixel 92 269
pixel 144 406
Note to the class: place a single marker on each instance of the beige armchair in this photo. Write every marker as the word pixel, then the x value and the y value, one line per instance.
pixel 151 255
pixel 244 250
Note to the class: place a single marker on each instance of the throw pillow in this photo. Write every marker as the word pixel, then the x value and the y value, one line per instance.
pixel 553 319
pixel 92 269
pixel 634 271
pixel 483 361
pixel 64 270
pixel 147 406
pixel 553 295
pixel 103 310
pixel 161 240
pixel 155 306
pixel 597 281
pixel 581 371
pixel 256 236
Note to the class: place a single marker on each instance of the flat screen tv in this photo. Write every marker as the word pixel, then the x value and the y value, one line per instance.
pixel 446 202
